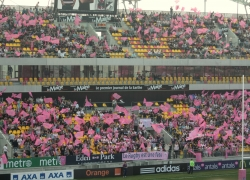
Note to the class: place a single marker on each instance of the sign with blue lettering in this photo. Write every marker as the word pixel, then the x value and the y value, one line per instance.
pixel 55 175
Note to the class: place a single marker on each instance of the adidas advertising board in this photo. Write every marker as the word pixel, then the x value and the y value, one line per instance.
pixel 44 175
pixel 155 169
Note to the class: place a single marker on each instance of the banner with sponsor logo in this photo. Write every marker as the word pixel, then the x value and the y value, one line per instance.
pixel 44 175
pixel 116 88
pixel 145 156
pixel 35 162
pixel 246 164
pixel 155 169
pixel 216 165
pixel 95 173
pixel 99 158
pixel 94 19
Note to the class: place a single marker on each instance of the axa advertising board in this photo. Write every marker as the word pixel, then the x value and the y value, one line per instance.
pixel 44 175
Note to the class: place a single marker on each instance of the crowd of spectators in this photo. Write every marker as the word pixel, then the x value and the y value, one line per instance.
pixel 195 35
pixel 210 123
pixel 35 33
pixel 62 127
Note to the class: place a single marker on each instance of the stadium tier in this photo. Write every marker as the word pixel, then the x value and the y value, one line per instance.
pixel 44 51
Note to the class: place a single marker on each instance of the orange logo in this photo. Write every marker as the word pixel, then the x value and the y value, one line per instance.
pixel 118 171
pixel 102 173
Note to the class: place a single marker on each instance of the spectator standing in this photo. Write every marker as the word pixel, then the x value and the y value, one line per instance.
pixel 5 150
pixel 176 149
pixel 125 168
pixel 191 166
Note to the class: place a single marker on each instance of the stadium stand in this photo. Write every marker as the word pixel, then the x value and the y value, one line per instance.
pixel 47 127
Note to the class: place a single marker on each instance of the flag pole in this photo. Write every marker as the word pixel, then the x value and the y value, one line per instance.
pixel 242 174
pixel 242 124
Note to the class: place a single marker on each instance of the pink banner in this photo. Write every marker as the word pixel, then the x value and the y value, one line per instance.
pixel 145 156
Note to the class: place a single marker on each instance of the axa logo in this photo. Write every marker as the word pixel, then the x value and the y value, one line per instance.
pixel 55 88
pixel 55 175
pixel 82 88
pixel 166 168
pixel 179 86
pixel 155 87
pixel 25 177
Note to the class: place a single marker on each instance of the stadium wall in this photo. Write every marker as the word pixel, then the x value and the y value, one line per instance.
pixel 123 62
pixel 130 98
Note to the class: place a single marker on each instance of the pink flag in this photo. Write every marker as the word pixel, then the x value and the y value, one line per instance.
pixel 25 17
pixel 19 96
pixel 11 112
pixel 97 137
pixel 48 100
pixel 87 103
pixel 242 24
pixel 86 151
pixel 92 55
pixel 47 125
pixel 109 121
pixel 146 31
pixel 77 127
pixel 148 104
pixel 30 94
pixel 17 53
pixel 24 114
pixel 55 41
pixel 157 29
pixel 116 96
pixel 56 130
pixel 32 22
pixel 77 20
pixel 190 41
pixel 79 120
pixel 183 8
pixel 94 38
pixel 139 16
pixel 139 29
pixel 77 142
pixel 68 121
pixel 197 102
pixel 91 131
pixel 176 7
pixel 135 108
pixel 41 51
pixel 79 134
pixel 16 121
pixel 41 118
pixel 158 127
pixel 38 142
pixel 4 20
pixel 165 34
pixel 142 146
pixel 63 111
pixel 4 159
